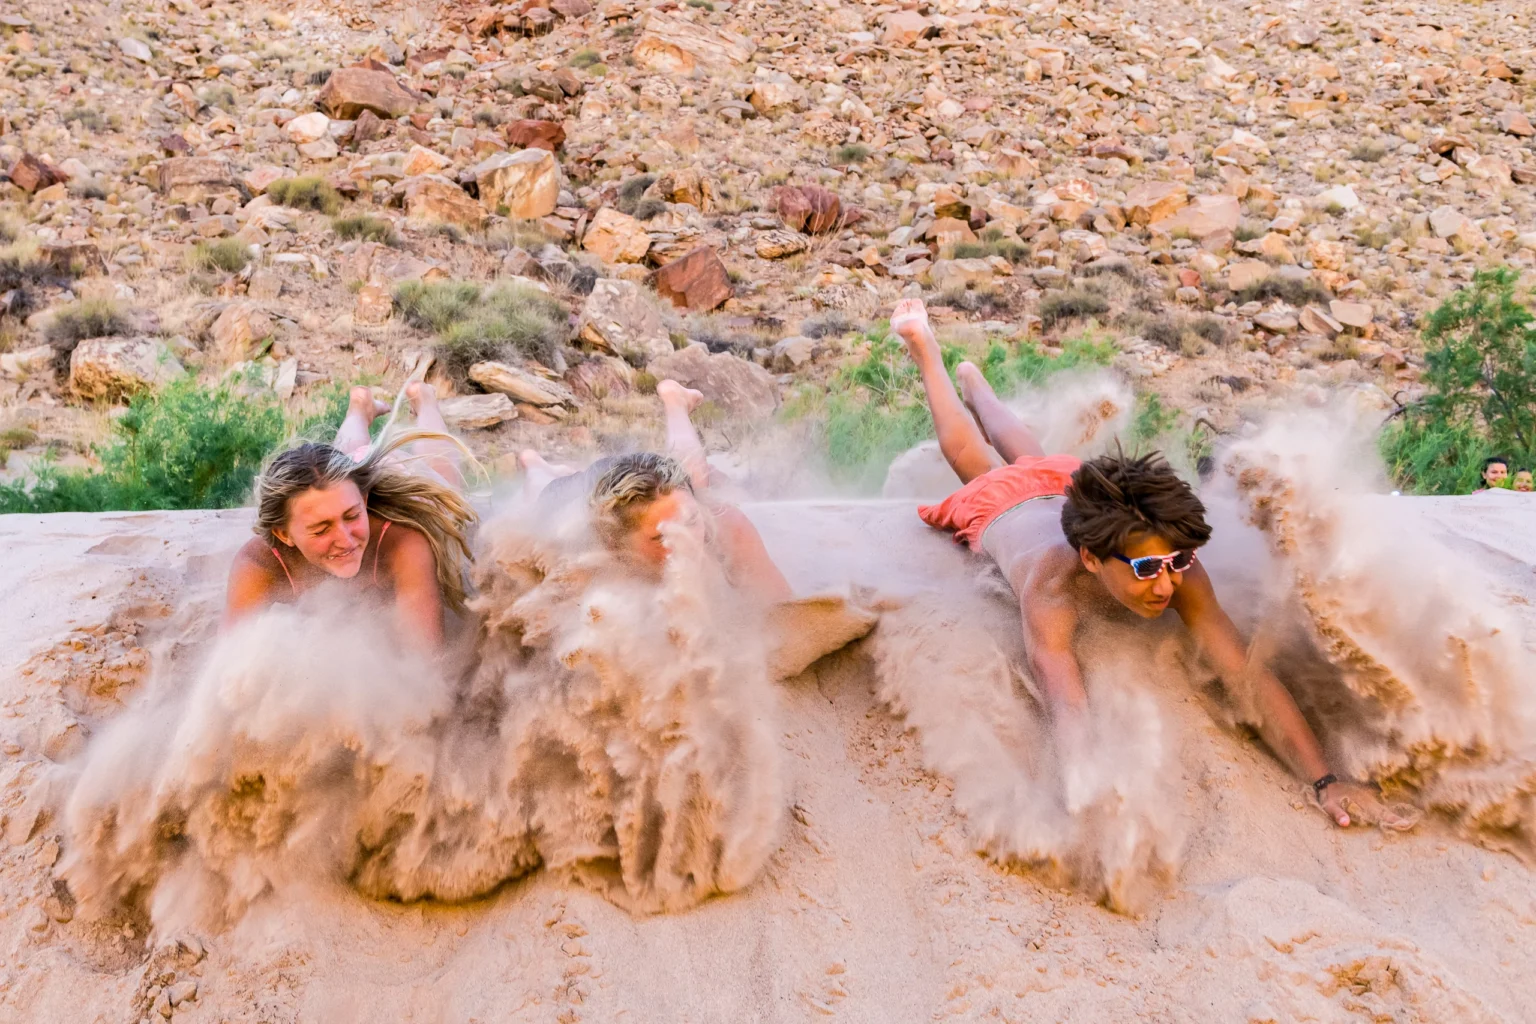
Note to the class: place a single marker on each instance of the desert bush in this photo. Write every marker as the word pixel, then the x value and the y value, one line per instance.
pixel 228 255
pixel 366 228
pixel 632 191
pixel 475 323
pixel 306 193
pixel 87 318
pixel 1296 291
pixel 184 446
pixel 1480 375
pixel 1071 304
pixel 852 153
pixel 992 242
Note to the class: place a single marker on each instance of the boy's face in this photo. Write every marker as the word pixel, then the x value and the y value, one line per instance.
pixel 1496 474
pixel 1524 481
pixel 1147 598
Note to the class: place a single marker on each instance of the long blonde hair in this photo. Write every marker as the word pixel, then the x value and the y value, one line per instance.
pixel 425 504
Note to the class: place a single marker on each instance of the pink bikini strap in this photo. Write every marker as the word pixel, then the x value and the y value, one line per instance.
pixel 286 572
pixel 377 551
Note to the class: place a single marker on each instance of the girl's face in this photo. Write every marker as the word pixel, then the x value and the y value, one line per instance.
pixel 1524 481
pixel 329 527
pixel 1496 474
pixel 645 541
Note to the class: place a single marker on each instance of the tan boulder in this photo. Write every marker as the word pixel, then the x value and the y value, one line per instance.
pixel 311 127
pixel 527 183
pixel 617 318
pixel 1514 122
pixel 259 179
pixel 432 197
pixel 373 305
pixel 1204 216
pixel 237 330
pixel 112 368
pixel 743 390
pixel 477 412
pixel 774 92
pixel 959 275
pixel 192 178
pixel 675 45
pixel 1153 201
pixel 350 91
pixel 1246 273
pixel 904 28
pixel 27 362
pixel 697 281
pixel 616 237
pixel 520 385
pixel 421 160
pixel 776 245
pixel 1352 314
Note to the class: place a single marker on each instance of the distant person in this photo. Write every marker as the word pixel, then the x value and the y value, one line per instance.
pixel 387 520
pixel 1132 529
pixel 631 498
pixel 1524 482
pixel 1495 473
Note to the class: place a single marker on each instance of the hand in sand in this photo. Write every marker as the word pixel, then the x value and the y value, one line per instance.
pixel 1348 802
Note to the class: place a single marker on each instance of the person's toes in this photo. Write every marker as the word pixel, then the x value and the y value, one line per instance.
pixel 672 391
pixel 530 459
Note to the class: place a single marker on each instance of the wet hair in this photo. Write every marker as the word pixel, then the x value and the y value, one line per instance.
pixel 622 485
pixel 392 492
pixel 1113 498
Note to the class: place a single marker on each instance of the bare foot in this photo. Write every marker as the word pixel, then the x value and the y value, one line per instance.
pixel 672 393
pixel 910 322
pixel 421 395
pixel 362 404
pixel 539 471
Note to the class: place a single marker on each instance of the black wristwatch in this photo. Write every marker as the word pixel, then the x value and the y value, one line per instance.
pixel 1323 783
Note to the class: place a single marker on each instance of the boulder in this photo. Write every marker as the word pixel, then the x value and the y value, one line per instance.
pixel 904 28
pixel 1154 201
pixel 959 275
pixel 1450 223
pixel 675 45
pixel 743 390
pixel 617 318
pixel 616 237
pixel 684 185
pixel 776 245
pixel 1246 274
pixel 1204 216
pixel 432 197
pixel 477 412
pixel 602 376
pixel 808 208
pixel 520 385
pixel 421 160
pixel 112 368
pixel 33 174
pixel 789 354
pixel 137 49
pixel 1514 122
pixel 27 362
pixel 1352 314
pixel 350 91
pixel 192 178
pixel 774 92
pixel 530 134
pixel 527 183
pixel 311 127
pixel 237 330
pixel 1342 196
pixel 697 281
pixel 373 305
pixel 258 179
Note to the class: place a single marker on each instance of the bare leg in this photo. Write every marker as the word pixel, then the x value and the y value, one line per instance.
pixel 960 439
pixel 1007 433
pixel 539 472
pixel 440 455
pixel 747 562
pixel 362 410
pixel 683 439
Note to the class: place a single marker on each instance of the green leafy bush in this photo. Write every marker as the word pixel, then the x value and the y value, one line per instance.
pixel 185 446
pixel 1481 400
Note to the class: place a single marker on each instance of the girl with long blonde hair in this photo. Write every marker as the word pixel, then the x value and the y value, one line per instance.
pixel 362 515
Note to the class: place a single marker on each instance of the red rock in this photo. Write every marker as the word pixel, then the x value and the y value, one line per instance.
pixel 33 173
pixel 808 208
pixel 350 91
pixel 1189 278
pixel 697 281
pixel 548 135
pixel 571 8
pixel 366 128
pixel 175 145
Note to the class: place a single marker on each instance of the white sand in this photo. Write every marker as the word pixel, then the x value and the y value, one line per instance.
pixel 875 907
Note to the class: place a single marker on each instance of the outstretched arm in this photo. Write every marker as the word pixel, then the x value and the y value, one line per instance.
pixel 747 562
pixel 418 598
pixel 1281 722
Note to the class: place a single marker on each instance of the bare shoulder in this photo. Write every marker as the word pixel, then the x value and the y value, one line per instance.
pixel 406 546
pixel 253 562
pixel 1049 572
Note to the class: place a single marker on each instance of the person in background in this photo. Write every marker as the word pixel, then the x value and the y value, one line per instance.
pixel 1495 473
pixel 1524 482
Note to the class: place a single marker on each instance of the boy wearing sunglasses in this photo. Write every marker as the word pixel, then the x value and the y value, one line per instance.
pixel 1076 538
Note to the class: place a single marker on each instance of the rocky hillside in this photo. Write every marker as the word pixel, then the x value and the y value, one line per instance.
pixel 562 203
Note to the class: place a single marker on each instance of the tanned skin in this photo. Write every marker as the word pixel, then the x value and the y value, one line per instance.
pixel 1060 588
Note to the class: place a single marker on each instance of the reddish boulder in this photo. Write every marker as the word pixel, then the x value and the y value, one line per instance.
pixel 350 91
pixel 697 281
pixel 527 134
pixel 33 173
pixel 809 208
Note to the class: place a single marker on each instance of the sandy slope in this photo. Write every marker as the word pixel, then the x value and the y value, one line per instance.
pixel 875 908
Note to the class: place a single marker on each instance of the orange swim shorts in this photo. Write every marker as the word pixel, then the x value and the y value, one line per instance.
pixel 970 510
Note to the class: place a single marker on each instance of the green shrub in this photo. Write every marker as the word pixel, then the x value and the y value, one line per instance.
pixel 228 255
pixel 1152 420
pixel 307 193
pixel 1071 304
pixel 185 446
pixel 87 318
pixel 585 59
pixel 474 323
pixel 362 226
pixel 1480 376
